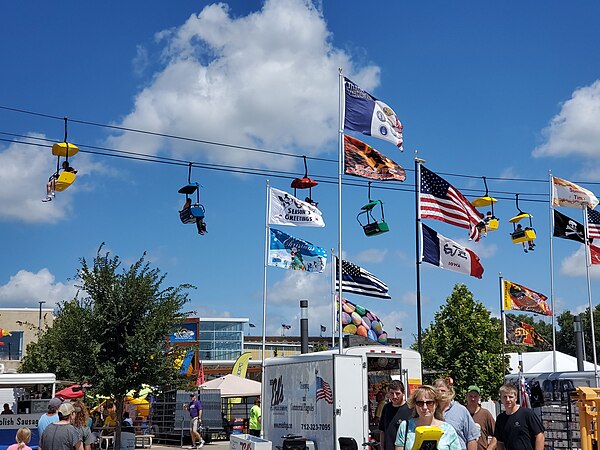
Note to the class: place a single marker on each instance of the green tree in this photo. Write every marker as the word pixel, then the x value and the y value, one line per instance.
pixel 464 342
pixel 114 336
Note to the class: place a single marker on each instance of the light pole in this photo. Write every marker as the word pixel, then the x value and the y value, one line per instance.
pixel 40 320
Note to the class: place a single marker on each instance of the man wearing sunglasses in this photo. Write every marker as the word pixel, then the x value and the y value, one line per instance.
pixel 393 413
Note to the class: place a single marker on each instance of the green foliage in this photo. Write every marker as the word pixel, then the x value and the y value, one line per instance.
pixel 114 336
pixel 464 342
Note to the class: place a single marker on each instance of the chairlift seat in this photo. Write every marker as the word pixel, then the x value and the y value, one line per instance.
pixel 524 235
pixel 60 149
pixel 188 189
pixel 483 201
pixel 64 180
pixel 375 228
pixel 188 215
pixel 492 225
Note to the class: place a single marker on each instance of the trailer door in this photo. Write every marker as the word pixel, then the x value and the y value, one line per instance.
pixel 349 404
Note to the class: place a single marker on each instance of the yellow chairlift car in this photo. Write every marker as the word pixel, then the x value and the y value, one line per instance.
pixel 490 221
pixel 61 180
pixel 522 235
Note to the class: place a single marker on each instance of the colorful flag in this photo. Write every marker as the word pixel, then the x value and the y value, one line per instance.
pixel 447 254
pixel 441 201
pixel 369 116
pixel 200 378
pixel 567 228
pixel 523 395
pixel 285 209
pixel 521 298
pixel 593 218
pixel 293 253
pixel 360 281
pixel 595 254
pixel 364 161
pixel 323 391
pixel 565 193
pixel 521 333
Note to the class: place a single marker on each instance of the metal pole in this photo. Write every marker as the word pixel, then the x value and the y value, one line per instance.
pixel 264 311
pixel 303 326
pixel 577 328
pixel 552 275
pixel 342 91
pixel 589 290
pixel 418 162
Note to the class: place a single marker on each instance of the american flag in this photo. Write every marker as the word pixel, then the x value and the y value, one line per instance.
pixel 360 281
pixel 441 201
pixel 593 224
pixel 324 391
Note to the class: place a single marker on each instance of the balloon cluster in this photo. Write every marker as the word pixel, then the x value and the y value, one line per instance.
pixel 358 320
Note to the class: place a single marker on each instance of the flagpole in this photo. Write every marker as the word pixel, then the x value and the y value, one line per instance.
pixel 552 273
pixel 264 312
pixel 502 315
pixel 589 290
pixel 333 304
pixel 340 169
pixel 418 162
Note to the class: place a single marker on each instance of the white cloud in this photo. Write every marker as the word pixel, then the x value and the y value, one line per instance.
pixel 297 285
pixel 481 248
pixel 24 172
pixel 574 130
pixel 269 79
pixel 371 255
pixel 574 265
pixel 26 289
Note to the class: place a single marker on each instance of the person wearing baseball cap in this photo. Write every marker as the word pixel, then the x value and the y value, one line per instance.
pixel 482 417
pixel 50 416
pixel 61 435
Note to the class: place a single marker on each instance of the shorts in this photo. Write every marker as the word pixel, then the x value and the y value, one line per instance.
pixel 195 425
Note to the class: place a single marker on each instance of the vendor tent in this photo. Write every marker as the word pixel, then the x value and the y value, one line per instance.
pixel 233 386
pixel 541 362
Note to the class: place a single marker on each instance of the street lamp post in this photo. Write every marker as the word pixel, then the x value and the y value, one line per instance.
pixel 40 320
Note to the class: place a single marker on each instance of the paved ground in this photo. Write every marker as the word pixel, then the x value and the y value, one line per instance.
pixel 214 445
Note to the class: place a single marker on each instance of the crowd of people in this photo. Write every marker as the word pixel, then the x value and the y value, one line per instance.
pixel 469 427
pixel 68 425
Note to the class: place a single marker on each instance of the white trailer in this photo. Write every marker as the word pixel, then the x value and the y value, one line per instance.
pixel 326 395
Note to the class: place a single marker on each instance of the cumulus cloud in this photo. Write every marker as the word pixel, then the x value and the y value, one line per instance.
pixel 574 130
pixel 268 79
pixel 574 265
pixel 298 285
pixel 27 289
pixel 24 171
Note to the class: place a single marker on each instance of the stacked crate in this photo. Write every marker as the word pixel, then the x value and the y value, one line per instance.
pixel 561 421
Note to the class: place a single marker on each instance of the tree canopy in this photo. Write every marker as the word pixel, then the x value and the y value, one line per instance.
pixel 464 342
pixel 113 334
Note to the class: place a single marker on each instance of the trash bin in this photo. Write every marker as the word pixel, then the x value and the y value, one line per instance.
pixel 248 442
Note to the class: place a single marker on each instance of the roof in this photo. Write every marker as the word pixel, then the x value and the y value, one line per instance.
pixel 234 386
pixel 26 379
pixel 540 362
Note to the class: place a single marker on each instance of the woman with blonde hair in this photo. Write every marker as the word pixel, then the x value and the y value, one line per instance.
pixel 23 437
pixel 425 402
pixel 80 422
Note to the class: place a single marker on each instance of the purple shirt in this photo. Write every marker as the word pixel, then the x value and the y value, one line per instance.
pixel 194 408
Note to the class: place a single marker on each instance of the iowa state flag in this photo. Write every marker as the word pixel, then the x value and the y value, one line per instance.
pixel 447 254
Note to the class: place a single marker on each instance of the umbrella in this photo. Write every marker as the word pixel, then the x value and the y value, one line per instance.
pixel 233 386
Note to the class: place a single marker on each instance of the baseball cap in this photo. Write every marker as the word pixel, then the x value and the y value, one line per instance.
pixel 474 388
pixel 65 409
pixel 54 403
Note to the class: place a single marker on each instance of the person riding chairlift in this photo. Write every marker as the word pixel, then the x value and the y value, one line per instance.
pixel 50 187
pixel 200 223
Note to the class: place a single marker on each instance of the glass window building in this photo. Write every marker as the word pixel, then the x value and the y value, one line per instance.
pixel 221 339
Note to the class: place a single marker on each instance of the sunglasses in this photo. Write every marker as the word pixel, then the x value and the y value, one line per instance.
pixel 421 403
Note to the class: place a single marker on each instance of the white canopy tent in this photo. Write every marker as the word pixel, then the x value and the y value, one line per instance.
pixel 234 386
pixel 541 362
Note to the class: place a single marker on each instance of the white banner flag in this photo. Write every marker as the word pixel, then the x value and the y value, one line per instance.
pixel 288 210
pixel 566 193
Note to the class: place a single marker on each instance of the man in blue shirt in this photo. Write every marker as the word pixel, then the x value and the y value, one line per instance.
pixel 49 417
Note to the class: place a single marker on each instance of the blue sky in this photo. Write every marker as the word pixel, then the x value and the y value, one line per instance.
pixel 506 90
